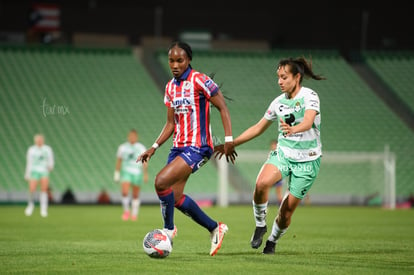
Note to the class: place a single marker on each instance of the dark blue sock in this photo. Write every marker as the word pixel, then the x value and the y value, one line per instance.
pixel 167 207
pixel 191 209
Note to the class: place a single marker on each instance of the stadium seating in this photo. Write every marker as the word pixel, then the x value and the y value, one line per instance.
pixel 86 100
pixel 396 69
pixel 354 119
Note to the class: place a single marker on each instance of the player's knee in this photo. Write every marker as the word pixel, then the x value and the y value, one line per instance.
pixel 261 185
pixel 161 182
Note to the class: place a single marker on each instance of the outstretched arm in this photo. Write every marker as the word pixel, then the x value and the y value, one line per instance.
pixel 165 134
pixel 253 131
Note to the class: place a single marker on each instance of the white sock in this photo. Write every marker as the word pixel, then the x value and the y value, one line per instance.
pixel 135 206
pixel 276 232
pixel 30 199
pixel 43 201
pixel 260 212
pixel 125 203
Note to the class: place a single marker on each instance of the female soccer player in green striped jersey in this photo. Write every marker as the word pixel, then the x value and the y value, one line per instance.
pixel 298 153
pixel 39 163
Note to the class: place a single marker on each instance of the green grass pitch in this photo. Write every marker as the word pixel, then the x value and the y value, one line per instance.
pixel 94 240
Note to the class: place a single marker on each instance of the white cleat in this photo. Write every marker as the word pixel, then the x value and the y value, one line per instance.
pixel 216 237
pixel 171 233
pixel 43 213
pixel 29 209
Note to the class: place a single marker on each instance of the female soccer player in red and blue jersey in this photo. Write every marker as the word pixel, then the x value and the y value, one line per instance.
pixel 188 96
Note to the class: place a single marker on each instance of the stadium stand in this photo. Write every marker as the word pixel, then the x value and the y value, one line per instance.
pixel 354 118
pixel 396 69
pixel 85 100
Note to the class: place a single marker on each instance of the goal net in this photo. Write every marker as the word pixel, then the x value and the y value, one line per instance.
pixel 345 178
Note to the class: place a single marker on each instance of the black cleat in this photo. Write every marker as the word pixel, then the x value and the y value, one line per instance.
pixel 269 248
pixel 257 237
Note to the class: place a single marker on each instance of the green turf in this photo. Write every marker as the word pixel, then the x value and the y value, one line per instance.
pixel 94 240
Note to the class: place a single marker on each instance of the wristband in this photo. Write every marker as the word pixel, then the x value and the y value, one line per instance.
pixel 228 138
pixel 155 145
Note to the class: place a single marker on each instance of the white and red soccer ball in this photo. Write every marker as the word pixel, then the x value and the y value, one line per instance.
pixel 157 244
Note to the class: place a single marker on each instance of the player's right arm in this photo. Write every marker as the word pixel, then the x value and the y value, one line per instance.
pixel 250 133
pixel 253 131
pixel 117 173
pixel 28 165
pixel 165 134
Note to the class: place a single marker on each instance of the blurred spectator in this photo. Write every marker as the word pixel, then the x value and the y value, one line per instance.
pixel 68 197
pixel 104 198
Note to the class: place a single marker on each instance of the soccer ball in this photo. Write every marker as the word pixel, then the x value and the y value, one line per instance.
pixel 157 244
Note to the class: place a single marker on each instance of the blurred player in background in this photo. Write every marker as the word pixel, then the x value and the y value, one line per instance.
pixel 39 163
pixel 187 97
pixel 130 173
pixel 279 184
pixel 298 153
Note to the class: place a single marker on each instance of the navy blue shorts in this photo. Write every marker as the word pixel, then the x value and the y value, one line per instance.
pixel 195 157
pixel 278 183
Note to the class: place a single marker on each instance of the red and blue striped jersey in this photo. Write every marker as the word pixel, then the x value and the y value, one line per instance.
pixel 189 96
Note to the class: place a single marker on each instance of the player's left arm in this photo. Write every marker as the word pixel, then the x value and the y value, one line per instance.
pixel 51 163
pixel 218 101
pixel 303 126
pixel 28 165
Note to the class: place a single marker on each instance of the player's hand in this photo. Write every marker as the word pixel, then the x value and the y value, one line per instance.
pixel 225 149
pixel 286 128
pixel 117 176
pixel 146 156
pixel 218 151
pixel 230 152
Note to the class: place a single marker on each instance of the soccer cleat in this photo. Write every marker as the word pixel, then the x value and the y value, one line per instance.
pixel 29 209
pixel 133 218
pixel 269 247
pixel 43 213
pixel 171 232
pixel 257 237
pixel 216 237
pixel 125 216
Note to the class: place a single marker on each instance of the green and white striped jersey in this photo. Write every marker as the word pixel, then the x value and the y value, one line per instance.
pixel 303 146
pixel 129 153
pixel 39 159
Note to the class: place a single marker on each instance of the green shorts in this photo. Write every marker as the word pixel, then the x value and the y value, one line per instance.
pixel 135 179
pixel 302 174
pixel 38 175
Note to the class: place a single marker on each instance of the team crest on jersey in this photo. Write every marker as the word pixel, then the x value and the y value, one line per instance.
pixel 187 86
pixel 297 107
